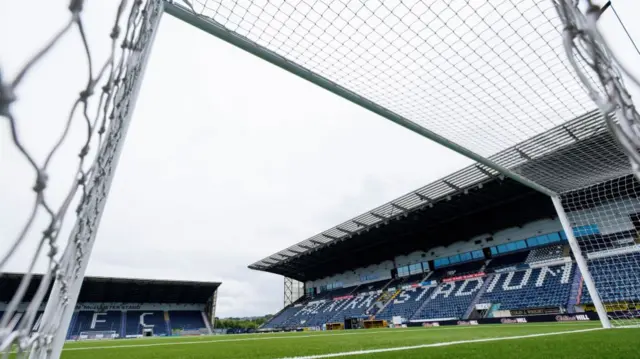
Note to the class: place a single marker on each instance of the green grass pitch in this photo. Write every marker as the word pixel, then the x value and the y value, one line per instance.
pixel 543 340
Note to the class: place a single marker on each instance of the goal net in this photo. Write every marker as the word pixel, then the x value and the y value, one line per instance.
pixel 488 79
pixel 62 164
pixel 507 83
pixel 606 220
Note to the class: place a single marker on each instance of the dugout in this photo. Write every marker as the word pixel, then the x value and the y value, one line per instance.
pixel 354 323
pixel 375 323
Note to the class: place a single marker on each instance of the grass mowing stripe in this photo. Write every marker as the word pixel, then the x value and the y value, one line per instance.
pixel 442 344
pixel 225 340
pixel 256 338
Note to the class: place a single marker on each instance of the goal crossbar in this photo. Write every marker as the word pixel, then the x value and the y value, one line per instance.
pixel 476 78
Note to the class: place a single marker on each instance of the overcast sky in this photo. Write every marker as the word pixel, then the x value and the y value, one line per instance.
pixel 228 158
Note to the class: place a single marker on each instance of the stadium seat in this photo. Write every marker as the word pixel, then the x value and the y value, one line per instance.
pixel 414 278
pixel 137 321
pixel 548 286
pixel 186 320
pixel 279 320
pixel 609 272
pixel 373 286
pixel 331 306
pixel 356 306
pixel 449 300
pixel 597 242
pixel 507 260
pixel 405 303
pixel 462 269
pixel 88 321
pixel 308 311
pixel 544 254
pixel 324 316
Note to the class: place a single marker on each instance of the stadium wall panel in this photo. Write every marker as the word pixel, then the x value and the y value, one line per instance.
pixel 578 317
pixel 531 229
pixel 376 272
pixel 382 270
pixel 609 217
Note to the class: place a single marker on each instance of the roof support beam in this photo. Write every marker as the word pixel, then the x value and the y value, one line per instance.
pixel 570 133
pixel 308 261
pixel 330 237
pixel 304 246
pixel 378 216
pixel 428 200
pixel 287 265
pixel 485 171
pixel 294 251
pixel 344 230
pixel 317 243
pixel 523 155
pixel 399 207
pixel 360 224
pixel 451 185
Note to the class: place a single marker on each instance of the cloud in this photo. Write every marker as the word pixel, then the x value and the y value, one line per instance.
pixel 228 158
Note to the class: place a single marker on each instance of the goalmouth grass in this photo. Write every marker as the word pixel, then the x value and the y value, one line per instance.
pixel 552 340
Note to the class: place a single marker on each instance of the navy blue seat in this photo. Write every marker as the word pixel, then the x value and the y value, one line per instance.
pixel 137 321
pixel 531 288
pixel 279 320
pixel 450 300
pixel 356 306
pixel 88 321
pixel 508 260
pixel 461 269
pixel 186 320
pixel 617 278
pixel 406 303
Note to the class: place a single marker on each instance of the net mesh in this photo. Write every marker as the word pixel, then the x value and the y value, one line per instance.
pixel 487 76
pixel 606 217
pixel 493 77
pixel 102 112
pixel 605 220
pixel 590 55
pixel 293 290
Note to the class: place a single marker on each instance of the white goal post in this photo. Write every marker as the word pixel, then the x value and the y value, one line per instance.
pixel 491 81
pixel 110 95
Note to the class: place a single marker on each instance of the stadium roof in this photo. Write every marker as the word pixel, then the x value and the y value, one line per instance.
pixel 121 290
pixel 469 192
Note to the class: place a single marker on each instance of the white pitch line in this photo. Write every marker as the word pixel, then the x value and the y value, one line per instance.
pixel 228 340
pixel 389 331
pixel 432 345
